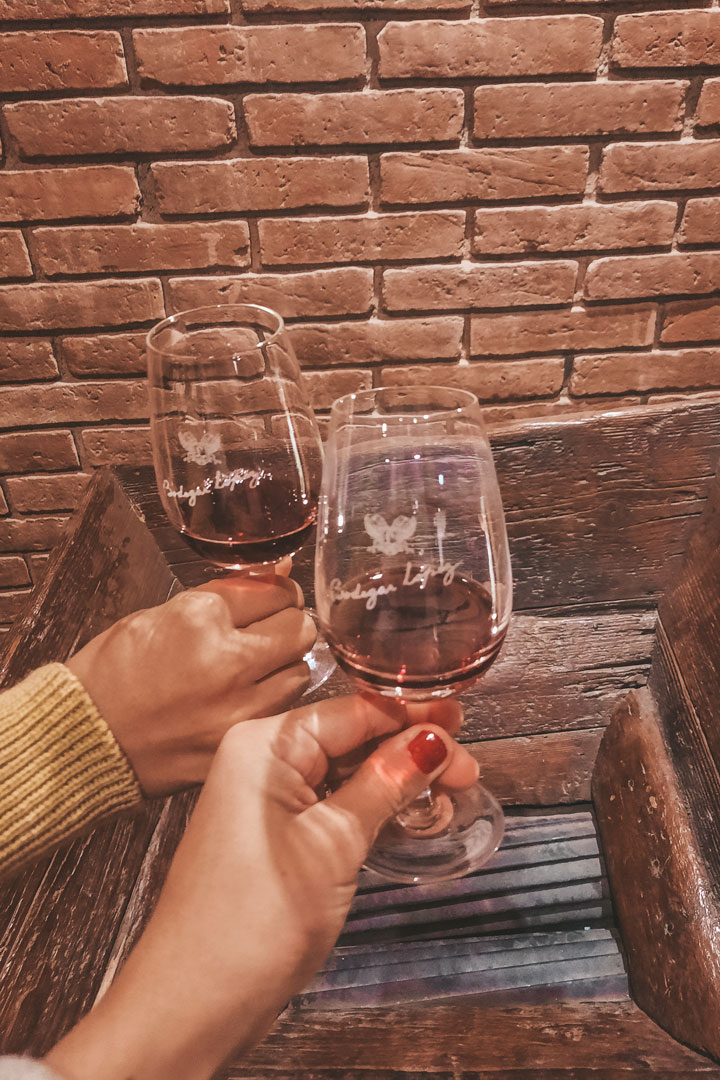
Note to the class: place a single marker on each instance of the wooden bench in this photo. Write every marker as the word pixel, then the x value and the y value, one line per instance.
pixel 520 970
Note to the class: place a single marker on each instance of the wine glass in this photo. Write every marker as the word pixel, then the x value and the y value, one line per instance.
pixel 414 589
pixel 236 448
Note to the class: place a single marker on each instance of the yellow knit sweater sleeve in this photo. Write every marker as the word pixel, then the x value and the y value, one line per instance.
pixel 61 769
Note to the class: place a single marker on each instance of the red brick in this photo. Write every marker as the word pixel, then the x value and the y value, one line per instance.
pixel 90 191
pixel 667 39
pixel 540 45
pixel 98 249
pixel 61 60
pixel 209 55
pixel 586 227
pixel 620 373
pixel 14 258
pixel 491 380
pixel 653 275
pixel 479 285
pixel 120 125
pixel 456 175
pixel 368 116
pixel 104 354
pixel 13 571
pixel 295 6
pixel 240 184
pixel 12 603
pixel 386 237
pixel 708 106
pixel 660 166
pixel 376 341
pixel 46 494
pixel 115 446
pixel 30 451
pixel 691 320
pixel 325 386
pixel 67 403
pixel 701 222
pixel 537 110
pixel 69 305
pixel 30 534
pixel 314 293
pixel 26 360
pixel 38 565
pixel 568 330
pixel 52 10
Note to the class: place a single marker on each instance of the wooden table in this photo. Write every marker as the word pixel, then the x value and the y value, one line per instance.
pixel 600 511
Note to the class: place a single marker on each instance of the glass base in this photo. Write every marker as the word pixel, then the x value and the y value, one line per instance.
pixel 320 660
pixel 463 844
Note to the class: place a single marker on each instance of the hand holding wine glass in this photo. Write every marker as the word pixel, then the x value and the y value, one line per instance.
pixel 413 585
pixel 237 450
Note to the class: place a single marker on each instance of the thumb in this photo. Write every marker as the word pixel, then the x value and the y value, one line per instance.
pixel 394 774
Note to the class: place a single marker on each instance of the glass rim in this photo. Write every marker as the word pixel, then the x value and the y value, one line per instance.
pixel 465 400
pixel 171 320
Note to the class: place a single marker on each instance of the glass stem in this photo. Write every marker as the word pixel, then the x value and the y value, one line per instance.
pixel 423 814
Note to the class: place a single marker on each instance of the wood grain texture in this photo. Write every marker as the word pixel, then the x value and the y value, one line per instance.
pixel 539 770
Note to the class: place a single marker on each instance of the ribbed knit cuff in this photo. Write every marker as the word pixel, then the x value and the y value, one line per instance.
pixel 61 769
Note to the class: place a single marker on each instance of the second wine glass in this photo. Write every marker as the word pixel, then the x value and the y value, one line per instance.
pixel 236 447
pixel 413 586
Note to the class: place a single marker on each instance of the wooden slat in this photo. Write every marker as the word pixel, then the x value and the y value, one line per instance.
pixel 539 770
pixel 60 919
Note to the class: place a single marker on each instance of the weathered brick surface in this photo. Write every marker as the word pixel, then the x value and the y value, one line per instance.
pixel 12 603
pixel 61 60
pixel 14 257
pixel 205 56
pixel 306 294
pixel 96 355
pixel 653 275
pixel 561 109
pixel 370 116
pixel 80 304
pixel 377 341
pixel 691 320
pixel 682 38
pixel 660 166
pixel 584 227
pixel 485 47
pixel 32 451
pixel 45 494
pixel 570 329
pixel 106 249
pixel 92 191
pixel 385 237
pixel 522 199
pixel 104 9
pixel 708 106
pixel 120 125
pixel 619 373
pixel 26 360
pixel 700 222
pixel 431 176
pixel 484 285
pixel 491 380
pixel 220 187
pixel 66 403
pixel 13 572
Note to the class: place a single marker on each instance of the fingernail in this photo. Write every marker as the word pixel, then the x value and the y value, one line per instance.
pixel 427 751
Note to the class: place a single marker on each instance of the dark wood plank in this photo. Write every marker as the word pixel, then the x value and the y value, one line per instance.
pixel 539 770
pixel 463 1036
pixel 60 919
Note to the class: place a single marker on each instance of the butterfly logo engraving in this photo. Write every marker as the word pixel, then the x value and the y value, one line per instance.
pixel 200 451
pixel 390 539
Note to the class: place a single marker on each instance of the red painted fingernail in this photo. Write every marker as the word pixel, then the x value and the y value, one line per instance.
pixel 427 751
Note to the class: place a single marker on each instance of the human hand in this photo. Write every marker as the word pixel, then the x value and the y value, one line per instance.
pixel 260 885
pixel 171 680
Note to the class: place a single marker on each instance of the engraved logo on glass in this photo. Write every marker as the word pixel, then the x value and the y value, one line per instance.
pixel 200 451
pixel 390 539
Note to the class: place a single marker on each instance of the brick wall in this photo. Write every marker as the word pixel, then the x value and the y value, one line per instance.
pixel 523 200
